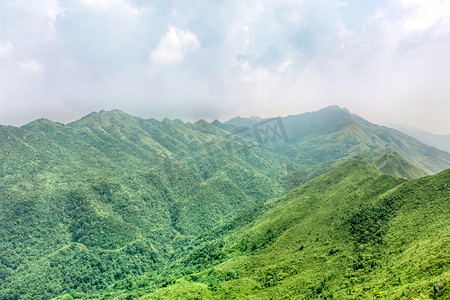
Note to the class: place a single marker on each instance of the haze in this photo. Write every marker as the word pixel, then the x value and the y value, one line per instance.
pixel 386 61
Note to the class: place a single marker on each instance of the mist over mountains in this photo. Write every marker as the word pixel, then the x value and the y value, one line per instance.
pixel 321 204
pixel 439 141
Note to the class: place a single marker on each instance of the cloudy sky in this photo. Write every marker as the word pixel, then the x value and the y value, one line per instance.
pixel 384 60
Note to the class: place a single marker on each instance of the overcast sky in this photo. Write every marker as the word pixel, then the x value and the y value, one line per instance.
pixel 384 60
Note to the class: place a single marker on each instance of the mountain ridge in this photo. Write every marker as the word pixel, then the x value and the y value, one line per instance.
pixel 148 194
pixel 327 239
pixel 436 140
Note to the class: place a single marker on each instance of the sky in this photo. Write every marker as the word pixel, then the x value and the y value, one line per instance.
pixel 383 60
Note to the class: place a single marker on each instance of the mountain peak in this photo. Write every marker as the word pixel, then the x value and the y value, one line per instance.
pixel 335 108
pixel 216 122
pixel 115 112
pixel 244 122
pixel 202 122
pixel 104 114
pixel 40 123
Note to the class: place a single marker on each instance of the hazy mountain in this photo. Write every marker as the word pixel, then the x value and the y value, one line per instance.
pixel 439 141
pixel 240 121
pixel 316 142
pixel 333 133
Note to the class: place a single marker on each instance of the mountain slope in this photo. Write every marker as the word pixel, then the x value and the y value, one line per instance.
pixel 112 201
pixel 352 233
pixel 439 141
pixel 316 142
pixel 391 163
pixel 240 121
pixel 320 138
pixel 113 187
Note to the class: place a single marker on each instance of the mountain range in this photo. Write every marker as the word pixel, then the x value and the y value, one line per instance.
pixel 333 133
pixel 322 204
pixel 439 141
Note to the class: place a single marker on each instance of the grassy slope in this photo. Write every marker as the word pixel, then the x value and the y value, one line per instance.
pixel 391 163
pixel 352 233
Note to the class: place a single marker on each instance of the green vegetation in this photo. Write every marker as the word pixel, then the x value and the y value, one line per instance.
pixel 391 163
pixel 386 239
pixel 114 206
pixel 112 196
pixel 319 138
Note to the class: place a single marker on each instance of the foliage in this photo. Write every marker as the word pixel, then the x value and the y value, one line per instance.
pixel 114 206
pixel 385 239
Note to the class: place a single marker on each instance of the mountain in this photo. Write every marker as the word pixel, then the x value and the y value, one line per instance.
pixel 352 233
pixel 439 141
pixel 240 121
pixel 332 133
pixel 112 203
pixel 316 142
pixel 113 187
pixel 390 163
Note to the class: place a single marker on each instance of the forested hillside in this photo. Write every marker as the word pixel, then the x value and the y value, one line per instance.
pixel 352 233
pixel 112 187
pixel 332 133
pixel 390 163
pixel 113 204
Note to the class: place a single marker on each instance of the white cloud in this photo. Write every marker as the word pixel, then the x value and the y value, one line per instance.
pixel 50 11
pixel 6 48
pixel 113 6
pixel 282 68
pixel 96 3
pixel 31 66
pixel 263 57
pixel 174 46
pixel 426 13
pixel 41 17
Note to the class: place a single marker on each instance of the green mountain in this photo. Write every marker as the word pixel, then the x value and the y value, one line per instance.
pixel 391 163
pixel 112 187
pixel 352 233
pixel 113 204
pixel 240 121
pixel 332 133
pixel 318 141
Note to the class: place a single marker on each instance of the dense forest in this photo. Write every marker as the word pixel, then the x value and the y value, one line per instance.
pixel 318 205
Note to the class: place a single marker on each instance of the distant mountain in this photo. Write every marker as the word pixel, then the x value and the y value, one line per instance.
pixel 333 133
pixel 316 142
pixel 240 121
pixel 439 141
